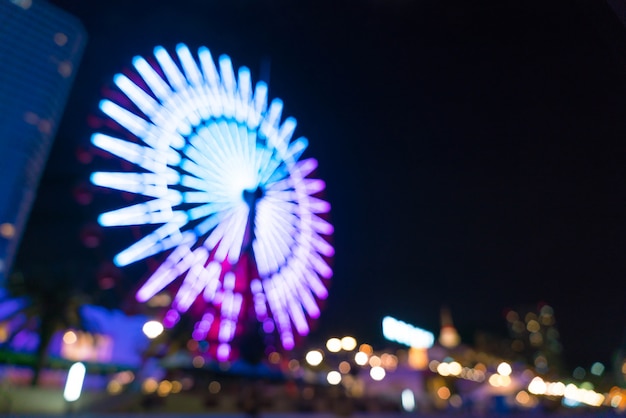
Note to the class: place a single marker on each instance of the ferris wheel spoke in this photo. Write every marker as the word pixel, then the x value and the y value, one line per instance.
pixel 210 209
pixel 230 244
pixel 279 244
pixel 161 239
pixel 232 130
pixel 208 68
pixel 155 83
pixel 209 170
pixel 279 312
pixel 297 148
pixel 208 224
pixel 167 272
pixel 220 137
pixel 173 74
pixel 156 211
pixel 213 271
pixel 269 124
pixel 310 277
pixel 144 157
pixel 318 243
pixel 194 281
pixel 244 96
pixel 305 167
pixel 128 120
pixel 249 146
pixel 140 98
pixel 280 221
pixel 300 290
pixel 228 83
pixel 291 303
pixel 211 150
pixel 259 105
pixel 190 67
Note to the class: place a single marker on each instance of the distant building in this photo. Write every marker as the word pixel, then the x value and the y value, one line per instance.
pixel 40 49
pixel 535 338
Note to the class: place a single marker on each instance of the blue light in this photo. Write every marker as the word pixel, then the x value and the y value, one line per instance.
pixel 225 187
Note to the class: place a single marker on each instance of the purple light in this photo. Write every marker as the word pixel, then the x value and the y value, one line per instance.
pixel 171 318
pixel 221 184
pixel 223 352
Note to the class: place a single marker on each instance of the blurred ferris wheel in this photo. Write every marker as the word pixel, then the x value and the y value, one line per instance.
pixel 224 194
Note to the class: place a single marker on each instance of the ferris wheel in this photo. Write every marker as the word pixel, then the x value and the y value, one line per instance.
pixel 227 199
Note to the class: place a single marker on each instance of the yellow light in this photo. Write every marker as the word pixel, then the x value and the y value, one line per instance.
pixel 7 230
pixel 274 357
pixel 114 387
pixel 533 326
pixel 455 368
pixel 375 361
pixel 418 358
pixel 522 397
pixel 495 380
pixel 149 385
pixel 176 386
pixel 443 369
pixel 198 362
pixel 443 392
pixel 333 345
pixel 215 387
pixel 70 337
pixel 348 343
pixel 164 389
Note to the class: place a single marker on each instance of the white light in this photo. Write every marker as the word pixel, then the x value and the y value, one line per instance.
pixel 360 358
pixel 537 386
pixel 333 377
pixel 74 383
pixel 333 345
pixel 314 357
pixel 152 329
pixel 408 400
pixel 348 343
pixel 403 333
pixel 455 368
pixel 504 369
pixel 377 373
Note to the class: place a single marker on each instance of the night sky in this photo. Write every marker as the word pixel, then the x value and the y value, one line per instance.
pixel 474 152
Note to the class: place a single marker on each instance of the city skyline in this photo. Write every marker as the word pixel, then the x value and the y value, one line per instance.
pixel 474 154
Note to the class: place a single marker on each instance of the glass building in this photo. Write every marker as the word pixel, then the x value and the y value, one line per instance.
pixel 40 49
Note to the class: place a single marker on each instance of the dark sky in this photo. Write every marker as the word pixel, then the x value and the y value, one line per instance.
pixel 474 151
